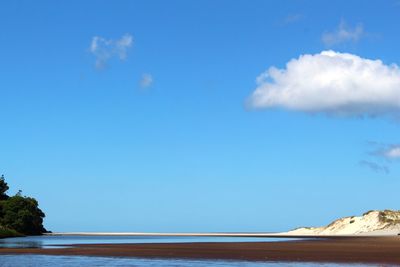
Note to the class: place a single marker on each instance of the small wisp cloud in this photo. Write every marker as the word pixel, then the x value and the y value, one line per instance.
pixel 332 83
pixel 106 49
pixel 292 18
pixel 389 152
pixel 393 152
pixel 146 81
pixel 343 34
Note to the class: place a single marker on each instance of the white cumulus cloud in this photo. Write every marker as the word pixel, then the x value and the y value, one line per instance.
pixel 105 49
pixel 330 82
pixel 342 34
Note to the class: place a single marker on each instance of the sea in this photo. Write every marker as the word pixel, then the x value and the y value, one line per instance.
pixel 50 242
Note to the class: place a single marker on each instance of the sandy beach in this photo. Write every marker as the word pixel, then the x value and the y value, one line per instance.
pixel 381 250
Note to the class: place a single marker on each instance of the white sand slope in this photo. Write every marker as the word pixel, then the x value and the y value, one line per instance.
pixel 374 222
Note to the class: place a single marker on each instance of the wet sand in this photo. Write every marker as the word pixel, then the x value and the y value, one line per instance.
pixel 382 250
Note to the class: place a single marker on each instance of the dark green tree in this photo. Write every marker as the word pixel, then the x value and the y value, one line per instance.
pixel 3 188
pixel 22 214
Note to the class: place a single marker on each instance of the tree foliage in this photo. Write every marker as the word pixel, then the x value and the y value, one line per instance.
pixel 3 188
pixel 20 213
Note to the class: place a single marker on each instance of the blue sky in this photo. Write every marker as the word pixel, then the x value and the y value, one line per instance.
pixel 161 135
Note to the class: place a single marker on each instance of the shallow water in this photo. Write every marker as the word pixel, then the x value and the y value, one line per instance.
pixel 51 241
pixel 56 241
pixel 72 261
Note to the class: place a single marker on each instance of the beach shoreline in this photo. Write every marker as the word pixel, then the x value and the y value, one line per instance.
pixel 378 250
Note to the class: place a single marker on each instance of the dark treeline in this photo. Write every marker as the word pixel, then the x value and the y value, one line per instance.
pixel 19 215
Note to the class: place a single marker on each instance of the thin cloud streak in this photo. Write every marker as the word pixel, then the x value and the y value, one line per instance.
pixel 374 166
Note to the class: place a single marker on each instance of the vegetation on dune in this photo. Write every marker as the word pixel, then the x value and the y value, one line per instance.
pixel 389 216
pixel 19 215
pixel 368 212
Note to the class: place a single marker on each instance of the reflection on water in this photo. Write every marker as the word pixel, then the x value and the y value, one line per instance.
pixel 50 241
pixel 72 261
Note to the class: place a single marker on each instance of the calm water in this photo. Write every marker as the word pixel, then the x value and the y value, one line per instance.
pixel 51 241
pixel 71 261
pixel 44 261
